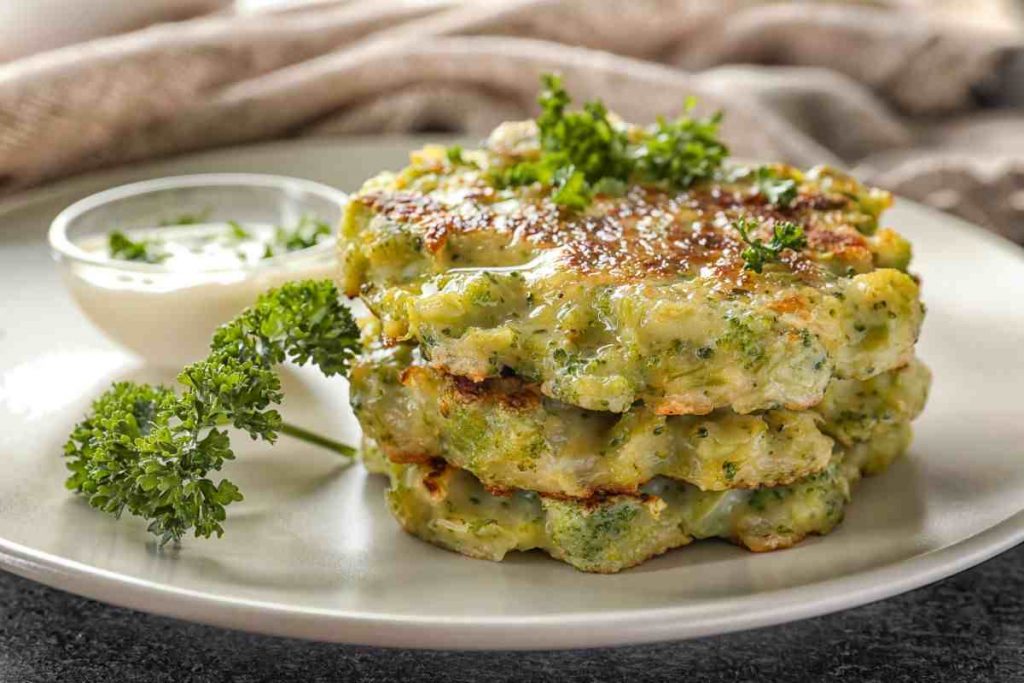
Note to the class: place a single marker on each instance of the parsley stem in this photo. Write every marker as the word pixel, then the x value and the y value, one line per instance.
pixel 317 439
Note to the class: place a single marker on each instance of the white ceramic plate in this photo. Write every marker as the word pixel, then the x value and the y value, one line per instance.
pixel 312 552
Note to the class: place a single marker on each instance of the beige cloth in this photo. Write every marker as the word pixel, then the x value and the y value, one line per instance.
pixel 930 110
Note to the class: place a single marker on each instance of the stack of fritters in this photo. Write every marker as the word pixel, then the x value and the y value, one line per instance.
pixel 611 382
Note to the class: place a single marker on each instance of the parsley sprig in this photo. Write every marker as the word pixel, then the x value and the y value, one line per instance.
pixel 785 235
pixel 578 149
pixel 584 152
pixel 682 151
pixel 148 450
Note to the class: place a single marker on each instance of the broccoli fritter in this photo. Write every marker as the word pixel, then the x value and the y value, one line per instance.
pixel 646 294
pixel 509 435
pixel 449 507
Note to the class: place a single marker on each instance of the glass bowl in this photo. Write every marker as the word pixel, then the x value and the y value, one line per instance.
pixel 167 316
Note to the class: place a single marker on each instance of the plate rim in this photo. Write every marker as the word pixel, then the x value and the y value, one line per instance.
pixel 578 629
pixel 552 632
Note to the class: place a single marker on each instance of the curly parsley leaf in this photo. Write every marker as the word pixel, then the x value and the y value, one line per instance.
pixel 149 451
pixel 785 235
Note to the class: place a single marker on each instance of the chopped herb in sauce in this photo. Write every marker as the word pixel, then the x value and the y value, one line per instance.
pixel 124 248
pixel 308 232
pixel 187 219
pixel 238 232
pixel 189 245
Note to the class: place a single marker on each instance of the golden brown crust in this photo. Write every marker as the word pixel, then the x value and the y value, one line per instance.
pixel 509 392
pixel 679 405
pixel 401 457
pixel 591 496
pixel 795 304
pixel 767 544
pixel 648 233
pixel 442 470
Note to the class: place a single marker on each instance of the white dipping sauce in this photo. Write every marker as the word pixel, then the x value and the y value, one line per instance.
pixel 191 248
pixel 167 312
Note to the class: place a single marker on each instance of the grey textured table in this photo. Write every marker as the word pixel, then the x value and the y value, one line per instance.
pixel 967 628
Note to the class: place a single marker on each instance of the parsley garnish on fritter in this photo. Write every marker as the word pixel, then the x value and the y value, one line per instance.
pixel 148 450
pixel 785 235
pixel 682 151
pixel 584 151
pixel 777 190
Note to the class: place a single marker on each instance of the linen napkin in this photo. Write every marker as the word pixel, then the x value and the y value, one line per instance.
pixel 927 108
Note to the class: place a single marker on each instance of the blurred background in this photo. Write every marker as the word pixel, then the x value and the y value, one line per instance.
pixel 925 98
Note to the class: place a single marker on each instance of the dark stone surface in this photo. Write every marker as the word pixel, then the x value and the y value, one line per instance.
pixel 967 628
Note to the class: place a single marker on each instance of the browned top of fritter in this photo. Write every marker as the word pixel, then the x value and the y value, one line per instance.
pixel 645 233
